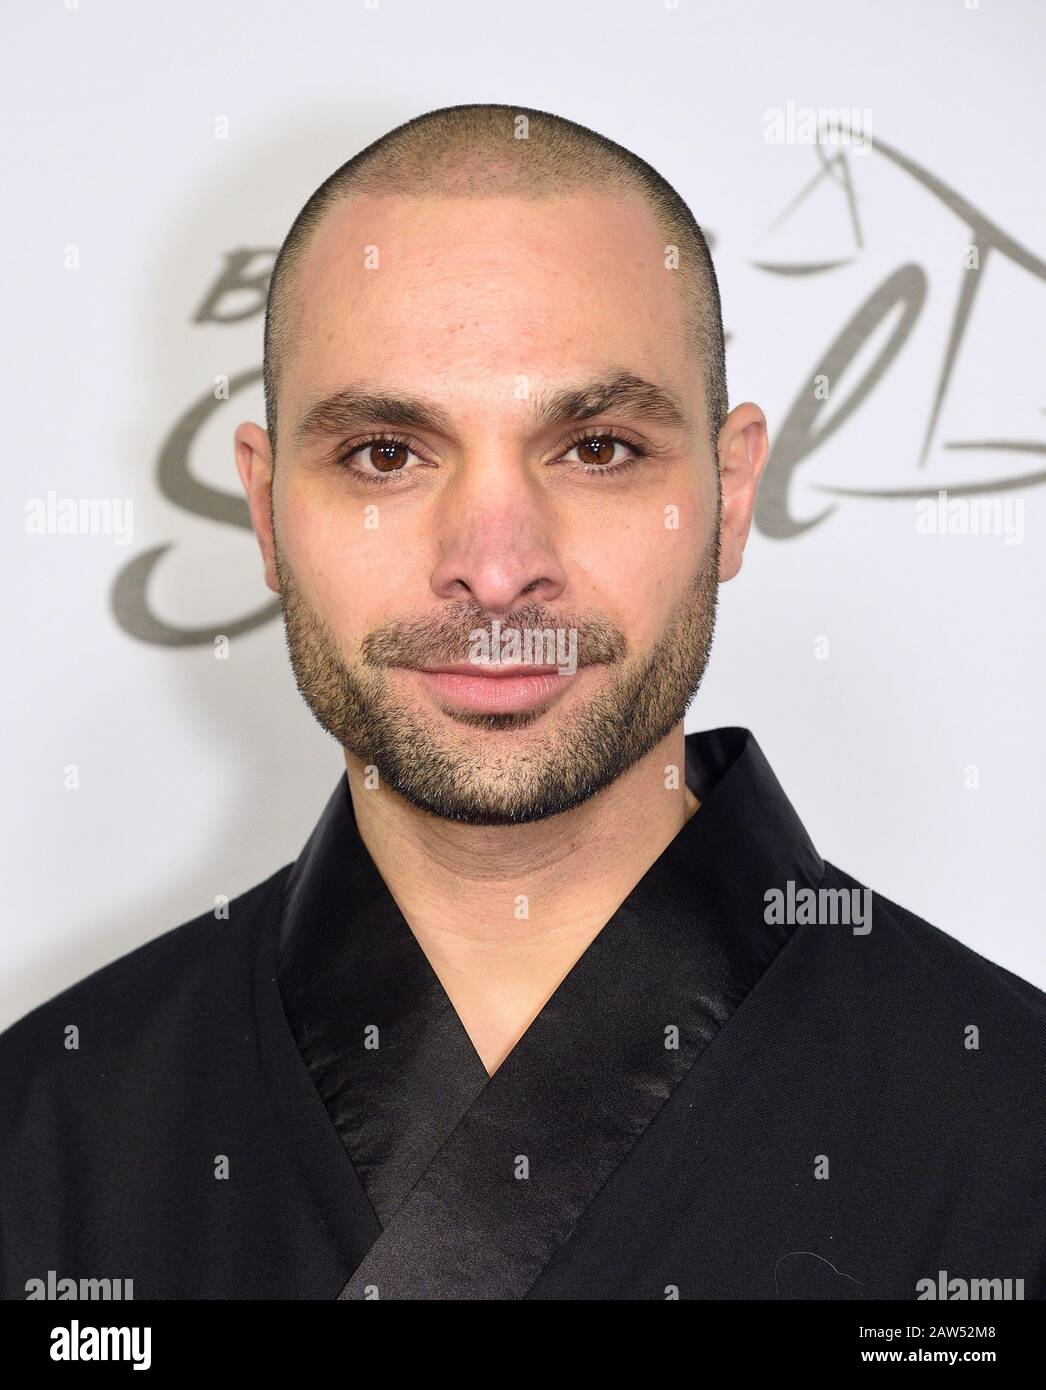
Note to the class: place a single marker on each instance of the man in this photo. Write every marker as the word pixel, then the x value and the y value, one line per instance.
pixel 557 1002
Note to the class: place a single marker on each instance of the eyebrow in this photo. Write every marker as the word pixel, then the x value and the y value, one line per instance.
pixel 356 406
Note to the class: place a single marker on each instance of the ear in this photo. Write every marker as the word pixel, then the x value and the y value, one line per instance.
pixel 743 449
pixel 254 465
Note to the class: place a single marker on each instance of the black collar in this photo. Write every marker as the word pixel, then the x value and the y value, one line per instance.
pixel 430 1134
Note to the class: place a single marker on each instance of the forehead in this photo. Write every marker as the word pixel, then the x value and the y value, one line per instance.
pixel 448 292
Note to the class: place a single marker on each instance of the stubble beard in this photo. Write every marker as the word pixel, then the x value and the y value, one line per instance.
pixel 441 766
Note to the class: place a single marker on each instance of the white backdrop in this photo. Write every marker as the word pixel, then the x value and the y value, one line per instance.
pixel 892 676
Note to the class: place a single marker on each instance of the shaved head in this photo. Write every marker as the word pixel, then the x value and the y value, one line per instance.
pixel 494 346
pixel 494 151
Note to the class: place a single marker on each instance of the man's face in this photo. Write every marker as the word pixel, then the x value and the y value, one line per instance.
pixel 400 554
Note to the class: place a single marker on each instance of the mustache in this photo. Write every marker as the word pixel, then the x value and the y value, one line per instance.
pixel 448 635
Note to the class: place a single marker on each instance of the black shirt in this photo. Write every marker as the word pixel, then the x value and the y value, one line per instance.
pixel 722 1099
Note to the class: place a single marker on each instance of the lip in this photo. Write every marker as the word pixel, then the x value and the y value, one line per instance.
pixel 495 690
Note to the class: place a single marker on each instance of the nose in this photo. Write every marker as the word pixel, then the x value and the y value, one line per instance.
pixel 495 540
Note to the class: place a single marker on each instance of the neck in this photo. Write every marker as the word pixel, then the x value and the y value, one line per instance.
pixel 503 912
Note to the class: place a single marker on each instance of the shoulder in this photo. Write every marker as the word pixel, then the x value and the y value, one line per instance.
pixel 191 971
pixel 929 1020
pixel 115 1091
pixel 928 1053
pixel 922 961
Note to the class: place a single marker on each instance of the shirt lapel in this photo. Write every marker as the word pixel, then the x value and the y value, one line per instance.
pixel 388 1054
pixel 478 1181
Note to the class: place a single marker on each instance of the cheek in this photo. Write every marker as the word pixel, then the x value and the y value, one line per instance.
pixel 346 557
pixel 633 572
pixel 641 560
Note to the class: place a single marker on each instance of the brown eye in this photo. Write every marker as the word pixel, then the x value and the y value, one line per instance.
pixel 597 449
pixel 596 455
pixel 388 457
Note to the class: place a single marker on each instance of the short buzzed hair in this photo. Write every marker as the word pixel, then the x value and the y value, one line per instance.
pixel 478 151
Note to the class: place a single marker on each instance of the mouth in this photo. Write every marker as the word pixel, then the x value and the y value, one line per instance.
pixel 492 689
